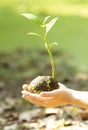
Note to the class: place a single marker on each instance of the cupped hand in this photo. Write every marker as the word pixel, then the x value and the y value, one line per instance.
pixel 53 98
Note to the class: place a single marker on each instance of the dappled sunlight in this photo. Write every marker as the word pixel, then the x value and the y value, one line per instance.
pixel 64 7
pixel 84 12
pixel 56 9
pixel 64 10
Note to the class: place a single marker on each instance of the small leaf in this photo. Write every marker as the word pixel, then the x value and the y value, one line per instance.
pixel 34 34
pixel 50 24
pixel 46 18
pixel 54 43
pixel 32 18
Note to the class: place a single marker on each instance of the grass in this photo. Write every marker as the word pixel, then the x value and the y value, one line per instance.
pixel 71 29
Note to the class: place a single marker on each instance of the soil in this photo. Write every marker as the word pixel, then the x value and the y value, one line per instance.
pixel 43 83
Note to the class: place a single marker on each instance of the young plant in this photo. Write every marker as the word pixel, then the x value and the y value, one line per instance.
pixel 44 83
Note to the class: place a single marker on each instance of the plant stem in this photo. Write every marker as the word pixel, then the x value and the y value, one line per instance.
pixel 51 59
pixel 49 51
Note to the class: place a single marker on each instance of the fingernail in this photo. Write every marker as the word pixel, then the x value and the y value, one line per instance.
pixel 24 86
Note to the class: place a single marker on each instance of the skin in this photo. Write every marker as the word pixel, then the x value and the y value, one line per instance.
pixel 58 97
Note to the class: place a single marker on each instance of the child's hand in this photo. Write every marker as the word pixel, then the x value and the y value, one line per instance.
pixel 53 98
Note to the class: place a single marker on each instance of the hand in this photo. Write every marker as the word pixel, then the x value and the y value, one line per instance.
pixel 53 98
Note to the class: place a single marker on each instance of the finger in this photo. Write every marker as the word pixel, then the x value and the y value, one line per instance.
pixel 32 95
pixel 48 94
pixel 25 87
pixel 32 100
pixel 24 92
pixel 35 99
pixel 61 86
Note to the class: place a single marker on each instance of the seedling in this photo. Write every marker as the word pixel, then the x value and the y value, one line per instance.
pixel 44 83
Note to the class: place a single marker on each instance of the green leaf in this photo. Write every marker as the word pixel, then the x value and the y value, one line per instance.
pixel 50 24
pixel 35 34
pixel 32 17
pixel 54 43
pixel 46 18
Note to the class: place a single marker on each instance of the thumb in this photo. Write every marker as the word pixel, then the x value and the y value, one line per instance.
pixel 25 87
pixel 53 92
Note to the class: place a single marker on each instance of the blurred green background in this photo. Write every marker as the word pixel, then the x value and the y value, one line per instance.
pixel 71 30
